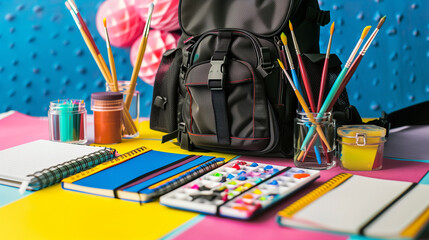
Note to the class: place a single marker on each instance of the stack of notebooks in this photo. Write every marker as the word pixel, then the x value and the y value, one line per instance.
pixel 361 205
pixel 141 175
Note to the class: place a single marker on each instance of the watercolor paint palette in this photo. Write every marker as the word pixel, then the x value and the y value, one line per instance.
pixel 239 189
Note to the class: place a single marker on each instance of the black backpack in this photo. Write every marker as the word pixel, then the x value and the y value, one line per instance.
pixel 222 89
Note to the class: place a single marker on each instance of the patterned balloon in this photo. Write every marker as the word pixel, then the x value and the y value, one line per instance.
pixel 158 42
pixel 123 22
pixel 165 15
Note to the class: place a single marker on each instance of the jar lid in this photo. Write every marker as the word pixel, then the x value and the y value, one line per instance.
pixel 355 130
pixel 107 96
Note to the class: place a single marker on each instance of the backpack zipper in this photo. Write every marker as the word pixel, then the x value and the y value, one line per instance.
pixel 285 22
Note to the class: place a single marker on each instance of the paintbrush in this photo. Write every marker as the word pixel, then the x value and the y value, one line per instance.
pixel 325 69
pixel 111 59
pixel 302 69
pixel 88 42
pixel 88 33
pixel 304 106
pixel 335 87
pixel 140 55
pixel 129 125
pixel 356 62
pixel 290 61
pixel 352 69
pixel 322 89
pixel 295 78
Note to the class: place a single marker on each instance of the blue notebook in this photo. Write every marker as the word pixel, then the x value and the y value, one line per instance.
pixel 132 171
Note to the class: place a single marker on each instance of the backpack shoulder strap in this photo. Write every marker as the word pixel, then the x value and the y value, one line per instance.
pixel 310 10
pixel 319 16
pixel 413 115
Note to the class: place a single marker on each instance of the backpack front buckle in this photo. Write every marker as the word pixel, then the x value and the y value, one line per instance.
pixel 216 74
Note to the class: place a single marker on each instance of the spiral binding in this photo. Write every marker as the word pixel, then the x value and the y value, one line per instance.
pixel 55 174
pixel 315 194
pixel 122 158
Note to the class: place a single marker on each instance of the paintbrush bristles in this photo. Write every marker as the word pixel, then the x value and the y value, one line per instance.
pixel 356 49
pixel 73 5
pixel 288 55
pixel 295 43
pixel 381 22
pixel 365 32
pixel 330 40
pixel 76 20
pixel 372 37
pixel 281 64
pixel 283 38
pixel 104 22
pixel 68 6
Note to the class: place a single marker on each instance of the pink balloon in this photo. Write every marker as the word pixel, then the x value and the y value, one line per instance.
pixel 165 15
pixel 123 22
pixel 157 43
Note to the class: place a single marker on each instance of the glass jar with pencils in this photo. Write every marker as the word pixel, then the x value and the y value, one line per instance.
pixel 67 121
pixel 134 109
pixel 314 140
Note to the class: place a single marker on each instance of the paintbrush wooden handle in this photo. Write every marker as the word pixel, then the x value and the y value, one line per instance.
pixel 113 69
pixel 311 118
pixel 306 81
pixel 346 80
pixel 94 54
pixel 134 76
pixel 129 125
pixel 323 84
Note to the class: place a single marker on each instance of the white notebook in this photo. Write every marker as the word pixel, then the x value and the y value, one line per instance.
pixel 41 163
pixel 362 205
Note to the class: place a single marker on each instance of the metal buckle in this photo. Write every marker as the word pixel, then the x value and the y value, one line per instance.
pixel 216 74
pixel 360 139
pixel 181 127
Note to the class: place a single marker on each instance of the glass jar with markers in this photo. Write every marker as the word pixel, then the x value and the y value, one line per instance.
pixel 67 121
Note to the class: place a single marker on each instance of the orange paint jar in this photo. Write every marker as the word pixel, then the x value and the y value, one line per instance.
pixel 107 108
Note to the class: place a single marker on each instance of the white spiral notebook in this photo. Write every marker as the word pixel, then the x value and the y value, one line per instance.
pixel 39 164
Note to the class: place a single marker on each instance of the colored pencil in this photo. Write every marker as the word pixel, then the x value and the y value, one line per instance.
pixel 140 55
pixel 356 62
pixel 335 87
pixel 305 107
pixel 111 59
pixel 303 71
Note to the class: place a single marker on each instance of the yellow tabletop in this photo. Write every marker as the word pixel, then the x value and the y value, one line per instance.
pixel 54 213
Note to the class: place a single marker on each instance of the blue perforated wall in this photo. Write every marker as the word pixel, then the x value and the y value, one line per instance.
pixel 394 72
pixel 43 56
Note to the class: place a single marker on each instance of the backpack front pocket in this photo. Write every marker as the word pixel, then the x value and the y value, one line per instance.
pixel 246 107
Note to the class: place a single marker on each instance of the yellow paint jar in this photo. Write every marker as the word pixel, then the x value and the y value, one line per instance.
pixel 361 147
